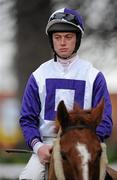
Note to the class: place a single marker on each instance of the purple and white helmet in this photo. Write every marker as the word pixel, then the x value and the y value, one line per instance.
pixel 65 20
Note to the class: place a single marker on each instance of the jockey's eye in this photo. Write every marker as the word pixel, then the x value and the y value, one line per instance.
pixel 63 155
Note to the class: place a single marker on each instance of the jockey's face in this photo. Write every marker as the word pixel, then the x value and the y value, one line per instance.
pixel 64 43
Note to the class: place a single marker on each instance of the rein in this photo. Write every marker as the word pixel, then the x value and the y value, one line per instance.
pixel 58 167
pixel 80 126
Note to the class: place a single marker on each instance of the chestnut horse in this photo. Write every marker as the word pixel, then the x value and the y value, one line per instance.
pixel 77 150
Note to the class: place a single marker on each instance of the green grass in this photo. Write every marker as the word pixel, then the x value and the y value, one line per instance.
pixel 112 153
pixel 14 158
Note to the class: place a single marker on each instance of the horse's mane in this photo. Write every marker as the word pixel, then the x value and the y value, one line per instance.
pixel 79 115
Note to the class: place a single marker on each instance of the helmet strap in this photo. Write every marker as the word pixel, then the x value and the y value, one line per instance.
pixel 55 57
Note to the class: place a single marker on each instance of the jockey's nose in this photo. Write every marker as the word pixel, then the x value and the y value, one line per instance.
pixel 63 41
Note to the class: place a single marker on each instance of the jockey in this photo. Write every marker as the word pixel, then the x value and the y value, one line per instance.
pixel 64 77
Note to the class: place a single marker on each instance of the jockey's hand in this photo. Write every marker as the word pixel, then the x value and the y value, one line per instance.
pixel 44 153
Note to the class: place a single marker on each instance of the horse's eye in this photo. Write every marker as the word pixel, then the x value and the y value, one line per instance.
pixel 99 153
pixel 63 155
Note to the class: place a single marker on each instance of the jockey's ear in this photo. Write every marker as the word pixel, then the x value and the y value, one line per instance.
pixel 62 115
pixel 97 112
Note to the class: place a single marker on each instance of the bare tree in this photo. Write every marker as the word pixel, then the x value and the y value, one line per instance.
pixel 31 40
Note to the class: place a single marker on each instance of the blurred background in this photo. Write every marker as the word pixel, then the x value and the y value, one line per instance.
pixel 24 46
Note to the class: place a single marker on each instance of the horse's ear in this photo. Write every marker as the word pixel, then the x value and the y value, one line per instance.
pixel 98 112
pixel 62 115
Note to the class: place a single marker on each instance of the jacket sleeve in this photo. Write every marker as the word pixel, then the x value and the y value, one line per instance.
pixel 30 110
pixel 104 129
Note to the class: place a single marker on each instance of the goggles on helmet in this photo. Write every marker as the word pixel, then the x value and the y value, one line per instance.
pixel 68 18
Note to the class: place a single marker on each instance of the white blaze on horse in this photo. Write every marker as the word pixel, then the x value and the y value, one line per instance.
pixel 85 157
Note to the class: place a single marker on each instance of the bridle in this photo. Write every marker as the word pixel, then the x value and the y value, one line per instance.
pixel 79 127
pixel 57 154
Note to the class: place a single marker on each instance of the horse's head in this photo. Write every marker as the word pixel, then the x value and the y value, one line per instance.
pixel 79 146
